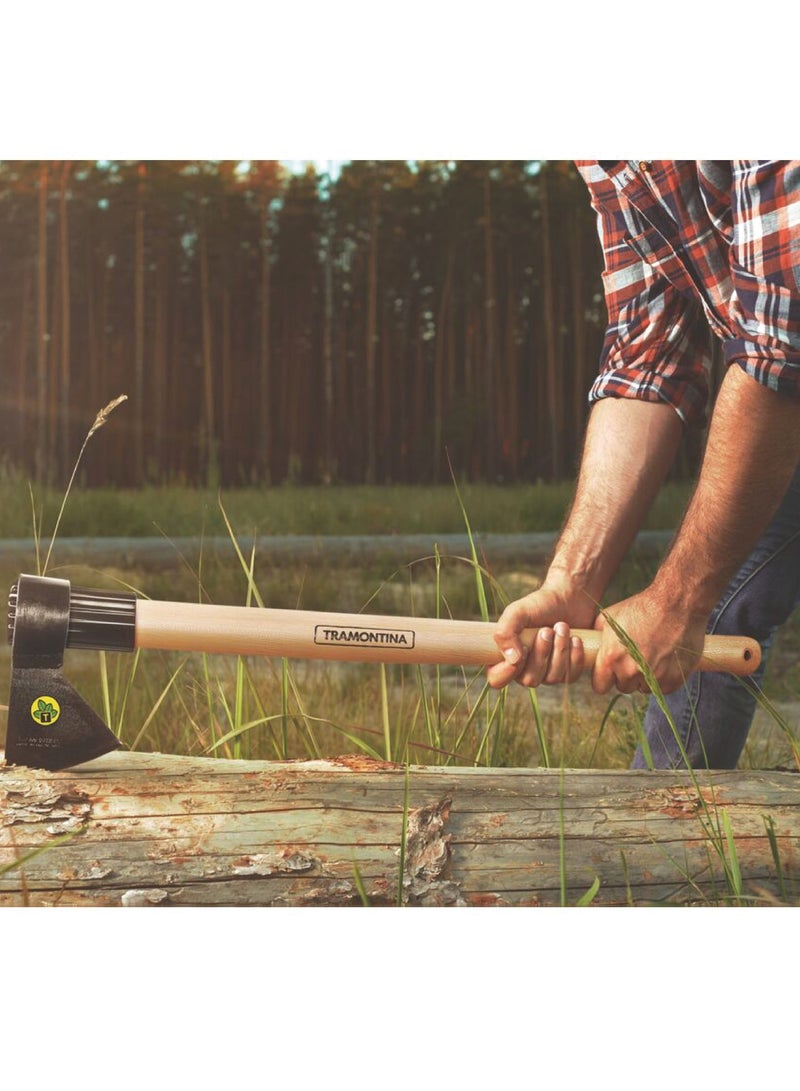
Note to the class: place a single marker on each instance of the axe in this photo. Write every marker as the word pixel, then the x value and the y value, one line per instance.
pixel 51 727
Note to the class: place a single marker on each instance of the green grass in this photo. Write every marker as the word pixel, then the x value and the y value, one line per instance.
pixel 276 709
pixel 285 710
pixel 335 510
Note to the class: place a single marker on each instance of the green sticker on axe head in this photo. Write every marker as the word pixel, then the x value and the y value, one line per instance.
pixel 45 710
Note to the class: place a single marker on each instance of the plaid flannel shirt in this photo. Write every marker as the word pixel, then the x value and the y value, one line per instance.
pixel 695 249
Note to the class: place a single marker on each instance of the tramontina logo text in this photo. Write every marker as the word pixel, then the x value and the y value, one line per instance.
pixel 363 637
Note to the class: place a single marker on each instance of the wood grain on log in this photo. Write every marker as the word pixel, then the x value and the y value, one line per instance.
pixel 147 829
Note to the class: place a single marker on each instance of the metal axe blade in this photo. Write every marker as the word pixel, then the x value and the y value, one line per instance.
pixel 50 726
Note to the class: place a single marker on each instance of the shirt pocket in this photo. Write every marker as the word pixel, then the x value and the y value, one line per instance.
pixel 765 312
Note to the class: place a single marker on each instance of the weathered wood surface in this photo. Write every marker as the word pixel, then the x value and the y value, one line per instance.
pixel 147 829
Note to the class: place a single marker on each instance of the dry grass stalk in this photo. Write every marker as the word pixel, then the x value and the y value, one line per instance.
pixel 99 421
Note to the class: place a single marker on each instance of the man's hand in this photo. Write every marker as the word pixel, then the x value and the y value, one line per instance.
pixel 552 655
pixel 668 641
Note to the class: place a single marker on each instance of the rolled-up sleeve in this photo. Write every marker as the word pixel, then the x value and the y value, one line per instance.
pixel 657 341
pixel 764 314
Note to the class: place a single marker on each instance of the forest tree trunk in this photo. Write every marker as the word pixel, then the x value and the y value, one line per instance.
pixel 138 326
pixel 371 339
pixel 42 445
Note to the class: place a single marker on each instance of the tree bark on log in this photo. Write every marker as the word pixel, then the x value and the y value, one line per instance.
pixel 135 829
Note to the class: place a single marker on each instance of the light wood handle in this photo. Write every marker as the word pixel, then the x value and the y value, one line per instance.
pixel 739 655
pixel 307 634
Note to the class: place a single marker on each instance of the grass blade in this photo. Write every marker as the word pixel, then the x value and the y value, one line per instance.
pixel 562 854
pixel 99 421
pixel 403 840
pixel 8 868
pixel 733 870
pixel 589 896
pixel 362 892
pixel 769 825
pixel 479 584
pixel 387 731
pixel 143 729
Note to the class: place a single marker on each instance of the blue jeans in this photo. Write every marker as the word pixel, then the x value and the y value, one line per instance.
pixel 713 712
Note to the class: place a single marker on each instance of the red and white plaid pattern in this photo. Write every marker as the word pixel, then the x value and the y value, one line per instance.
pixel 696 248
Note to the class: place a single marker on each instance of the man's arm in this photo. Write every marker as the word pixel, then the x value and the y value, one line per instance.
pixel 629 448
pixel 752 452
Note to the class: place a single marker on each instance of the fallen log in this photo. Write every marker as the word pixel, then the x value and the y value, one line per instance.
pixel 135 829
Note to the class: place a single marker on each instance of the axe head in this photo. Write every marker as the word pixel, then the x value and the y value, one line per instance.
pixel 50 726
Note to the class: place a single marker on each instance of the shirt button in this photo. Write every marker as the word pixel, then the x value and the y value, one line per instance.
pixel 644 165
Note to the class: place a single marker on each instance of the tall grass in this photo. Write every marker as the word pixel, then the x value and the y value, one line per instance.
pixel 250 708
pixel 713 818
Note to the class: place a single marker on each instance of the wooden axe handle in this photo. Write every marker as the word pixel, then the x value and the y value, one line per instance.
pixel 306 634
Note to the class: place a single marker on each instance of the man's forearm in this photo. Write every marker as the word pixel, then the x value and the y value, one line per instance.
pixel 630 446
pixel 753 450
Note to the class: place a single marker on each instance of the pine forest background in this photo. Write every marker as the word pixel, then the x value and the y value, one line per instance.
pixel 269 326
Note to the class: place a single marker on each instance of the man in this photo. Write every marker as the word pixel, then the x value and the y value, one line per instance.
pixel 692 250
